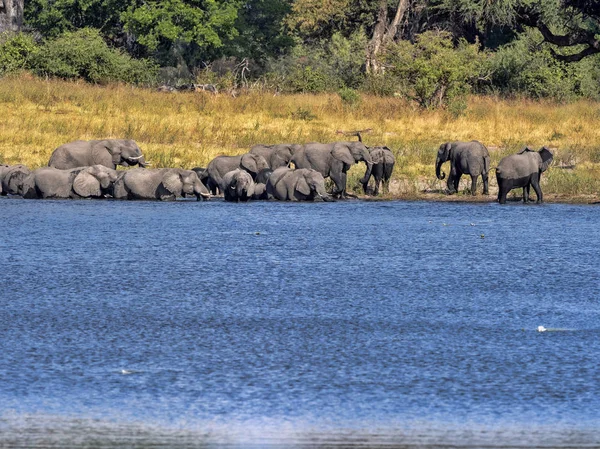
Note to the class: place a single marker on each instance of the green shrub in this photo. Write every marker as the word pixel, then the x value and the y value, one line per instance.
pixel 15 52
pixel 526 67
pixel 84 54
pixel 433 71
pixel 349 97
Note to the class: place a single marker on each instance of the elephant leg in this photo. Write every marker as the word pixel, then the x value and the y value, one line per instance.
pixel 473 185
pixel 526 193
pixel 377 182
pixel 457 180
pixel 535 182
pixel 450 183
pixel 503 190
pixel 338 176
pixel 485 179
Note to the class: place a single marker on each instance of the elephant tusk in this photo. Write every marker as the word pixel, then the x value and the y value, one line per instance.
pixel 135 158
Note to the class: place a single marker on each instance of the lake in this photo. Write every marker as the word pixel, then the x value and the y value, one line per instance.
pixel 347 324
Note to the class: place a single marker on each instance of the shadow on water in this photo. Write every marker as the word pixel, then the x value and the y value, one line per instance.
pixel 348 324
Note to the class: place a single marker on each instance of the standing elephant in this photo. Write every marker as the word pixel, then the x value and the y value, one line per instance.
pixel 109 152
pixel 219 166
pixel 301 184
pixel 95 181
pixel 333 160
pixel 13 178
pixel 466 158
pixel 523 169
pixel 276 155
pixel 383 165
pixel 237 185
pixel 159 184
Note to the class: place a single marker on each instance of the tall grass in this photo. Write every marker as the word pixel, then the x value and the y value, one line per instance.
pixel 189 129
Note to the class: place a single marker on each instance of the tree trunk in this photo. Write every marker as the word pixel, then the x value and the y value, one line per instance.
pixel 11 15
pixel 383 34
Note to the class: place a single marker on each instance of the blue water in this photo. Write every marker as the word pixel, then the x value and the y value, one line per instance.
pixel 388 324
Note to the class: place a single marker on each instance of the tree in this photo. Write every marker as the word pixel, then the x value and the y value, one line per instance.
pixel 384 32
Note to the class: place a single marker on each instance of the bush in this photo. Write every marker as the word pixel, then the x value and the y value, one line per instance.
pixel 15 52
pixel 432 71
pixel 84 54
pixel 525 67
pixel 349 96
pixel 323 67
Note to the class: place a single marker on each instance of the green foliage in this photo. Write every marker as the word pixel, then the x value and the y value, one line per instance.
pixel 349 97
pixel 15 52
pixel 323 67
pixel 432 71
pixel 84 54
pixel 157 23
pixel 526 67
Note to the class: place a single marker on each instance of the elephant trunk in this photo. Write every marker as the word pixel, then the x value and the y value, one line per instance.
pixel 201 191
pixel 367 176
pixel 438 167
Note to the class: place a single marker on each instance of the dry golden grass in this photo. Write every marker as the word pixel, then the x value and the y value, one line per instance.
pixel 189 129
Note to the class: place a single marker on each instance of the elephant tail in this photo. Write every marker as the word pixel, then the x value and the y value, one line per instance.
pixel 486 164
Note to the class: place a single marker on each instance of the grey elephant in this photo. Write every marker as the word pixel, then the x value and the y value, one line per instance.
pixel 3 169
pixel 383 165
pixel 278 155
pixel 523 169
pixel 237 185
pixel 466 158
pixel 219 166
pixel 260 184
pixel 95 181
pixel 13 178
pixel 109 152
pixel 164 184
pixel 301 184
pixel 333 160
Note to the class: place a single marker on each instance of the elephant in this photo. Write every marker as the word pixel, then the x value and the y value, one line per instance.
pixel 383 165
pixel 276 155
pixel 109 152
pixel 301 184
pixel 237 185
pixel 333 160
pixel 3 169
pixel 219 166
pixel 95 181
pixel 466 158
pixel 159 184
pixel 13 179
pixel 260 184
pixel 523 169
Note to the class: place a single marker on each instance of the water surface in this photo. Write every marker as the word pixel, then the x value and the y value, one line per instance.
pixel 143 324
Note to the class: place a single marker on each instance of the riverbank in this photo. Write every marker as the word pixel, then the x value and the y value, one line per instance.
pixel 188 129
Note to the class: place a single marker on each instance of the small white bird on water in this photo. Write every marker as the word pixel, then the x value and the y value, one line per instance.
pixel 541 329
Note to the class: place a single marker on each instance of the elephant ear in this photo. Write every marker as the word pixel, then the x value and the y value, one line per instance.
pixel 302 186
pixel 547 158
pixel 342 153
pixel 172 182
pixel 377 156
pixel 86 185
pixel 248 163
pixel 103 150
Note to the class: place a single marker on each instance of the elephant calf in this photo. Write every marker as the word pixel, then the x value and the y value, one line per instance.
pixel 12 178
pixel 466 158
pixel 219 166
pixel 159 184
pixel 301 184
pixel 523 169
pixel 383 165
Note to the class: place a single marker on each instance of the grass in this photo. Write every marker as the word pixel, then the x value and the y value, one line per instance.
pixel 189 129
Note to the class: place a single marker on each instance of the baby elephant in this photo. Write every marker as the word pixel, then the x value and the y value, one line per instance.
pixel 164 184
pixel 523 169
pixel 383 165
pixel 237 185
pixel 82 182
pixel 302 184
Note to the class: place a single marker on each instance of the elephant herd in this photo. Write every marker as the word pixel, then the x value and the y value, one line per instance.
pixel 87 169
